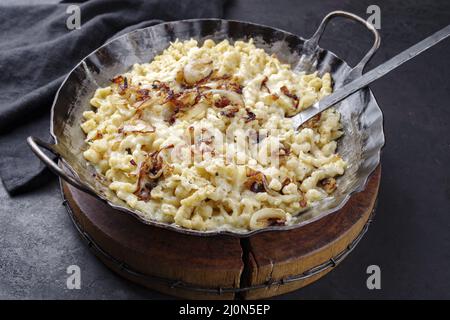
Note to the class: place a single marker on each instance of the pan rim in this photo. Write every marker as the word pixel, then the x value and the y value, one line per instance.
pixel 220 232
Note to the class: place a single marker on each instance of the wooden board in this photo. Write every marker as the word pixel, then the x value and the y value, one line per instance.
pixel 125 244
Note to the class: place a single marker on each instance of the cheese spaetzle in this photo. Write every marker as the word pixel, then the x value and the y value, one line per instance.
pixel 201 137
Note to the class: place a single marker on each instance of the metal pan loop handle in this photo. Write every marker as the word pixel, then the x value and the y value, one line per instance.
pixel 310 46
pixel 36 145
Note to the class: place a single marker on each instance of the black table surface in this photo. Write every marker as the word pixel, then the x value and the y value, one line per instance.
pixel 409 239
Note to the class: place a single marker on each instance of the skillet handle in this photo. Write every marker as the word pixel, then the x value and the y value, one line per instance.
pixel 311 45
pixel 36 145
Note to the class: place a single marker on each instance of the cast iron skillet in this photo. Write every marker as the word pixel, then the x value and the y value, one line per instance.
pixel 361 117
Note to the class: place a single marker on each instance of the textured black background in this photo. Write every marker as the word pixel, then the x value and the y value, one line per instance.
pixel 410 238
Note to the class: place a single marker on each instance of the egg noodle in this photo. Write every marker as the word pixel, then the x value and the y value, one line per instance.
pixel 201 137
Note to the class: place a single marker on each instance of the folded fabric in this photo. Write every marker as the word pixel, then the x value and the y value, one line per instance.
pixel 38 49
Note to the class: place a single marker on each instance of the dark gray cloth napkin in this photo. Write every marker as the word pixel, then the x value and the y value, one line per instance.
pixel 37 50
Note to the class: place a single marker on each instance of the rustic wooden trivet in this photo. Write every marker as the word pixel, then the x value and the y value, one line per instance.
pixel 221 267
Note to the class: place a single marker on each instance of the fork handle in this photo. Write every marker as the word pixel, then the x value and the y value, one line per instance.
pixel 370 77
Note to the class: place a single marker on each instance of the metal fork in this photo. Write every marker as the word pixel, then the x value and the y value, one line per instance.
pixel 355 80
